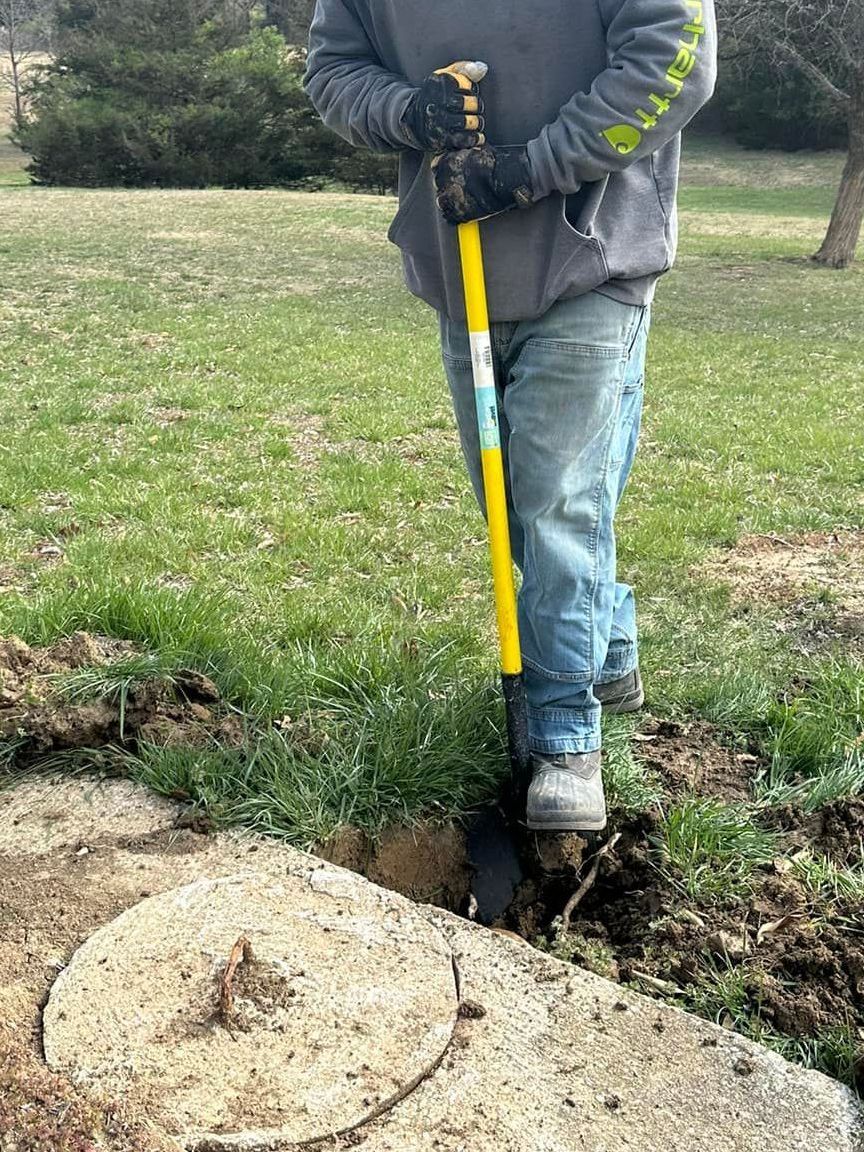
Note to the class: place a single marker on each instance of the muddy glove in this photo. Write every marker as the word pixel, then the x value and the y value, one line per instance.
pixel 447 111
pixel 480 182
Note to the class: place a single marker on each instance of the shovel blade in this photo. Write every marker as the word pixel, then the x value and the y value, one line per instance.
pixel 494 856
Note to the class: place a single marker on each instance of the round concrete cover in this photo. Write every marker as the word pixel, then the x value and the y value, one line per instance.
pixel 347 1001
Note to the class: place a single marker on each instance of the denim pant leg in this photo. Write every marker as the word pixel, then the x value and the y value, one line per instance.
pixel 566 373
pixel 456 352
pixel 622 656
pixel 561 381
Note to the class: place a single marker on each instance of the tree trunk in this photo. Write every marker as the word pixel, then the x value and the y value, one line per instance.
pixel 16 90
pixel 838 247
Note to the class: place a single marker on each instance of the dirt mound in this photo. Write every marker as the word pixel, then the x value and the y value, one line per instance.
pixel 800 966
pixel 37 718
pixel 835 831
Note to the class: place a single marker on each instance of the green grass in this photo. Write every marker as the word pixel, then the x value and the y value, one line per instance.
pixel 828 882
pixel 629 787
pixel 814 739
pixel 726 997
pixel 711 849
pixel 230 418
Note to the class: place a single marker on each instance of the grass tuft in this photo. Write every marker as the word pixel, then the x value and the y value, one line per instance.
pixel 630 787
pixel 827 881
pixel 711 849
pixel 814 740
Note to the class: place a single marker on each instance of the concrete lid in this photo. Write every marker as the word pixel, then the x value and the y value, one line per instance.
pixel 47 813
pixel 347 1001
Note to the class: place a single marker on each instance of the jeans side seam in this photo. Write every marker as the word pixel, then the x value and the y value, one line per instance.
pixel 602 491
pixel 599 502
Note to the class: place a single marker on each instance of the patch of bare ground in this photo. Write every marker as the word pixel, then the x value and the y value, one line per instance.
pixel 817 576
pixel 36 719
pixel 756 225
pixel 691 758
pixel 836 831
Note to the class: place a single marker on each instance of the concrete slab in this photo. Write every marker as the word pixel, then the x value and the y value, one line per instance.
pixel 44 814
pixel 544 1057
pixel 341 1001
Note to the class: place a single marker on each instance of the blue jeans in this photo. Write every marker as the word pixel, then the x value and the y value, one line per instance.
pixel 570 387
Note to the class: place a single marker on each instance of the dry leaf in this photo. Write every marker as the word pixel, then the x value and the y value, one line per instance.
pixel 773 928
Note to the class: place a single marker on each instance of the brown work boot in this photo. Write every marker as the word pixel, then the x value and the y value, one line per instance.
pixel 566 793
pixel 623 695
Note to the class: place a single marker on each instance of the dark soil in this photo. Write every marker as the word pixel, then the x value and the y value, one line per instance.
pixel 803 965
pixel 36 720
pixel 692 758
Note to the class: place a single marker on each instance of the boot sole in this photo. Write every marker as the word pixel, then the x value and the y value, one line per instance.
pixel 574 825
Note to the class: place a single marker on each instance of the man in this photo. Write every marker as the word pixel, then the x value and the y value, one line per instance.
pixel 571 154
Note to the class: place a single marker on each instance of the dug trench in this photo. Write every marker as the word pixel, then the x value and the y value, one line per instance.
pixel 774 961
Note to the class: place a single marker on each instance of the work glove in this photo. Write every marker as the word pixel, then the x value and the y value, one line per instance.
pixel 447 110
pixel 479 182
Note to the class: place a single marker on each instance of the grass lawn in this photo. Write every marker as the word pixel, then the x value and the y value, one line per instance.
pixel 226 435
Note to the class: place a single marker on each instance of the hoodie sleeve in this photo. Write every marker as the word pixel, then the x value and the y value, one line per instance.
pixel 351 91
pixel 662 69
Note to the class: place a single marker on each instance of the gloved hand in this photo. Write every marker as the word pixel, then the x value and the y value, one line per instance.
pixel 479 182
pixel 447 110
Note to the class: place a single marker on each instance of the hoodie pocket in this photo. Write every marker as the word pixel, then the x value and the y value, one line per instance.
pixel 410 229
pixel 578 260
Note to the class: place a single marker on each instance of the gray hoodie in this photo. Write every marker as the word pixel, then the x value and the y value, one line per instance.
pixel 599 90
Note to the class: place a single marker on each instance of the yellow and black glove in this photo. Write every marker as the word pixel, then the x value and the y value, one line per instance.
pixel 447 110
pixel 479 182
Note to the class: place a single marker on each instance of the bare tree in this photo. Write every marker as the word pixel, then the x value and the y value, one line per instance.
pixel 823 41
pixel 24 34
pixel 291 17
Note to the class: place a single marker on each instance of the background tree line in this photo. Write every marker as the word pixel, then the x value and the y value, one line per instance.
pixel 208 92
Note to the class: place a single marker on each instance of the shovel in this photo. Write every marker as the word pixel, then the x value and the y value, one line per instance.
pixel 492 847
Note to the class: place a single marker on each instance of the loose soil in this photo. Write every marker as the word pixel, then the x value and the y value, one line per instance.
pixel 35 719
pixel 694 758
pixel 802 964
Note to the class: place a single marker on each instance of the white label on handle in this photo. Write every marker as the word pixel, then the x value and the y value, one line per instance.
pixel 484 390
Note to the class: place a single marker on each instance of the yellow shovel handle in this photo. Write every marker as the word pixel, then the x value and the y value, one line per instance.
pixel 490 444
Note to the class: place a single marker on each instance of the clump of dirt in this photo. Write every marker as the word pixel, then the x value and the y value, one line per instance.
pixel 428 863
pixel 802 964
pixel 690 758
pixel 835 831
pixel 36 719
pixel 818 576
pixel 265 997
